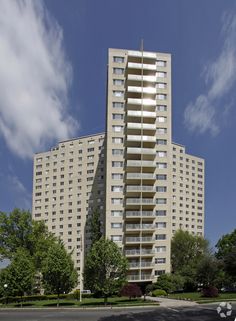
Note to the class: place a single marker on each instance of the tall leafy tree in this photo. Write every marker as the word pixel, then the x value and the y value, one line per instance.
pixel 209 272
pixel 20 274
pixel 187 251
pixel 18 230
pixel 105 268
pixel 59 273
pixel 226 253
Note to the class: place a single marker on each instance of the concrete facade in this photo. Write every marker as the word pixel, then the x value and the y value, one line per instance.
pixel 145 186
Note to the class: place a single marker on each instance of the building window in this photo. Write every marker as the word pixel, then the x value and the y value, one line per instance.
pixel 117 116
pixel 116 201
pixel 116 225
pixel 117 129
pixel 117 140
pixel 117 176
pixel 161 177
pixel 116 213
pixel 160 260
pixel 161 225
pixel 160 249
pixel 160 237
pixel 161 165
pixel 161 119
pixel 161 96
pixel 161 201
pixel 161 108
pixel 116 188
pixel 161 142
pixel 118 82
pixel 160 272
pixel 161 189
pixel 161 63
pixel 118 59
pixel 117 164
pixel 118 71
pixel 161 74
pixel 161 85
pixel 116 238
pixel 161 131
pixel 117 151
pixel 161 213
pixel 161 154
pixel 117 105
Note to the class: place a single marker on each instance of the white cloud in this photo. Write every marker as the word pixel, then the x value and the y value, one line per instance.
pixel 34 78
pixel 209 108
pixel 22 197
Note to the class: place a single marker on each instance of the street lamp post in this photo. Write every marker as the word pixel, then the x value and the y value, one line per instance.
pixel 5 290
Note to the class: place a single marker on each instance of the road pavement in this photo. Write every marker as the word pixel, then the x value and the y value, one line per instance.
pixel 191 313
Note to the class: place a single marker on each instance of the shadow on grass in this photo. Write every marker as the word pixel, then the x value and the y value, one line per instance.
pixel 27 304
pixel 54 304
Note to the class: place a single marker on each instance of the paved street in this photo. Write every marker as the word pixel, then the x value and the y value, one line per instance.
pixel 194 313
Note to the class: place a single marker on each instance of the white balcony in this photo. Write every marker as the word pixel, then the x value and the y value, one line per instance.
pixel 135 150
pixel 138 101
pixel 140 176
pixel 142 227
pixel 142 78
pixel 137 252
pixel 138 113
pixel 138 188
pixel 139 214
pixel 145 54
pixel 139 201
pixel 145 90
pixel 141 138
pixel 135 65
pixel 142 265
pixel 141 126
pixel 144 239
pixel 133 163
pixel 144 277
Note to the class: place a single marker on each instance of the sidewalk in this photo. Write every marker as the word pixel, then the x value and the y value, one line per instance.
pixel 165 302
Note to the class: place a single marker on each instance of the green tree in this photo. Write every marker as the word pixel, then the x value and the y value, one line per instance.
pixel 20 274
pixel 225 245
pixel 94 224
pixel 18 230
pixel 59 274
pixel 187 251
pixel 226 253
pixel 169 282
pixel 105 268
pixel 208 272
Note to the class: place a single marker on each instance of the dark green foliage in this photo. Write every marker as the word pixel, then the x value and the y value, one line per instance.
pixel 170 282
pixel 59 274
pixel 105 268
pixel 208 271
pixel 210 292
pixel 131 290
pixel 19 275
pixel 159 292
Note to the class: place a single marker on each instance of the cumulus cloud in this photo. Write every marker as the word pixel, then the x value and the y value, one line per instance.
pixel 21 194
pixel 35 77
pixel 209 108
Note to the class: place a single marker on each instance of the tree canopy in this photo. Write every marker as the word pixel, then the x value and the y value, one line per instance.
pixel 105 268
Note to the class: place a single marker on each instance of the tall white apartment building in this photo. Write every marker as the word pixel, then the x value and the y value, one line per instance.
pixel 145 186
pixel 152 187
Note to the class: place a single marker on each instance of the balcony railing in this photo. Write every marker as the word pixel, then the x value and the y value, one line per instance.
pixel 139 89
pixel 139 239
pixel 139 278
pixel 138 252
pixel 138 101
pixel 138 113
pixel 135 150
pixel 140 175
pixel 137 163
pixel 141 126
pixel 142 78
pixel 143 138
pixel 140 227
pixel 135 65
pixel 142 265
pixel 139 213
pixel 133 201
pixel 145 54
pixel 138 188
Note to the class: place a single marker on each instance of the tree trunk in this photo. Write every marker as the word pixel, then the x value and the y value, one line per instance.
pixel 21 301
pixel 58 300
pixel 105 300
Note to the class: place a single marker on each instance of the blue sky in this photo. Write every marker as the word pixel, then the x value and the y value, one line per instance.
pixel 53 78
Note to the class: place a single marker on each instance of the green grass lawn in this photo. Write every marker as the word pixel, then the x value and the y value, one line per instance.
pixel 196 296
pixel 93 302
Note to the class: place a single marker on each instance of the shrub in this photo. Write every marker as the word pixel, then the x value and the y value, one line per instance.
pixel 159 292
pixel 149 288
pixel 170 282
pixel 131 290
pixel 210 292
